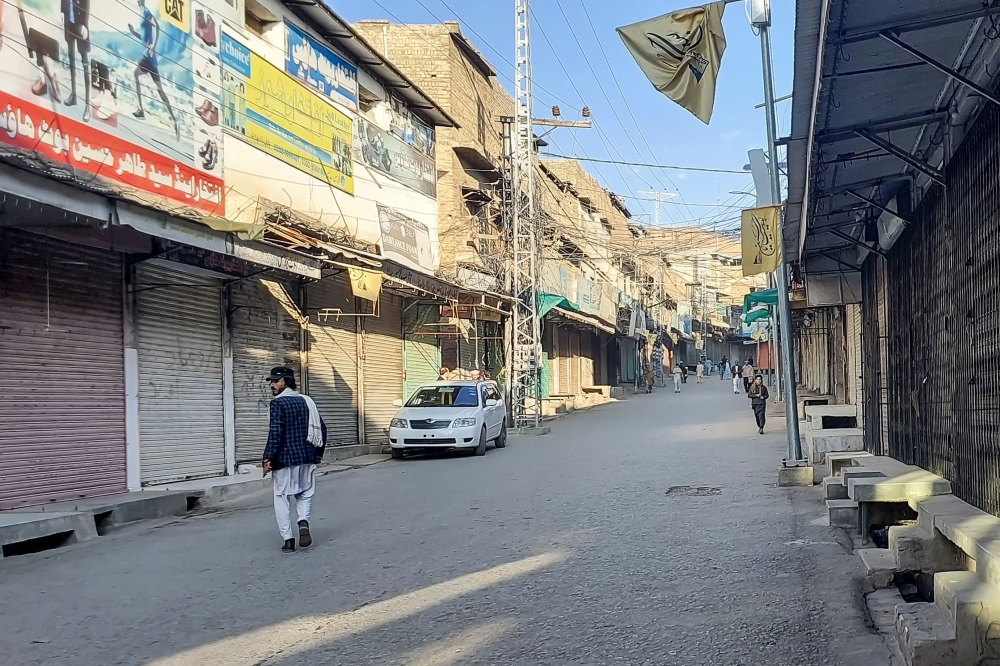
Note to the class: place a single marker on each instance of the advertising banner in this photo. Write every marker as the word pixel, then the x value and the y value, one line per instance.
pixel 409 128
pixel 275 113
pixel 123 94
pixel 386 153
pixel 319 68
pixel 405 240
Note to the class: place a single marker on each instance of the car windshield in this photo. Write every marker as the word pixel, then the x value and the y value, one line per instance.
pixel 445 396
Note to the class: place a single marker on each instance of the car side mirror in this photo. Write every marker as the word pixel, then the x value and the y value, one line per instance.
pixel 397 403
pixel 492 403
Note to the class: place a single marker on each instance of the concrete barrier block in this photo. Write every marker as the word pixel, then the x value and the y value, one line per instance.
pixel 796 476
pixel 842 513
pixel 915 549
pixel 969 528
pixel 880 569
pixel 836 461
pixel 834 488
pixel 924 635
pixel 902 488
pixel 973 609
pixel 929 508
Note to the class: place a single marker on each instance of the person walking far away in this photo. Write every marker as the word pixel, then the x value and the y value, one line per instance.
pixel 296 441
pixel 700 371
pixel 758 400
pixel 723 366
pixel 737 379
pixel 677 378
pixel 748 373
pixel 650 376
pixel 708 367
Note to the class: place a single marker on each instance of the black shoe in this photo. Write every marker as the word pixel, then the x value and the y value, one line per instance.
pixel 289 546
pixel 305 539
pixel 761 431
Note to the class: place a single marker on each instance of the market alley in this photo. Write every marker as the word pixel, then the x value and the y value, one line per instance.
pixel 644 531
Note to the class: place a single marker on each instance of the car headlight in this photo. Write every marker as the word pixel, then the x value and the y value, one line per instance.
pixel 399 423
pixel 463 423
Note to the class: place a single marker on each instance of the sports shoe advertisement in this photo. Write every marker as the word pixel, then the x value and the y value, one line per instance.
pixel 123 94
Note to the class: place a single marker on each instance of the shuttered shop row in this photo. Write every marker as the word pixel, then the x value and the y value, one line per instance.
pixel 333 358
pixel 62 419
pixel 421 350
pixel 382 349
pixel 265 334
pixel 179 343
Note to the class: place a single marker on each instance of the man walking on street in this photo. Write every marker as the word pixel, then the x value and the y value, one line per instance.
pixel 296 440
pixel 758 400
pixel 748 374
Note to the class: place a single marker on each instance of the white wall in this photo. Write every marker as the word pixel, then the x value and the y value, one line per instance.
pixel 251 173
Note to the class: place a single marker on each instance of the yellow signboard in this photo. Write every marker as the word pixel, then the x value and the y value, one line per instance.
pixel 760 231
pixel 285 119
pixel 365 284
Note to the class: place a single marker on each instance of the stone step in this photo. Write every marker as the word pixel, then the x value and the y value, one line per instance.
pixel 834 488
pixel 817 443
pixel 915 484
pixel 842 513
pixel 925 636
pixel 861 472
pixel 972 606
pixel 880 568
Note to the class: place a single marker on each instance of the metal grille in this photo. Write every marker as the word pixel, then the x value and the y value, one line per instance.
pixel 430 424
pixel 973 207
pixel 871 357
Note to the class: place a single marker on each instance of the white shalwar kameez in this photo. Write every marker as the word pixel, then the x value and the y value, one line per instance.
pixel 298 481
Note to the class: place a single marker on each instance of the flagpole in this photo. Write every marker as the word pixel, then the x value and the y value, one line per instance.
pixel 794 458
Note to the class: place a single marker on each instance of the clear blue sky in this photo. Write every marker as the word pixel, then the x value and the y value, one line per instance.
pixel 661 132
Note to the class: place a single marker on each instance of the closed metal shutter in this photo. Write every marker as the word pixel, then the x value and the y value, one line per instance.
pixel 62 421
pixel 333 359
pixel 179 343
pixel 883 351
pixel 383 367
pixel 574 362
pixel 562 361
pixel 264 335
pixel 421 351
pixel 854 383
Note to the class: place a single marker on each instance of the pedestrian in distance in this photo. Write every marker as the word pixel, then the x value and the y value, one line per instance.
pixel 296 440
pixel 708 367
pixel 737 373
pixel 758 400
pixel 677 378
pixel 723 367
pixel 650 377
pixel 700 371
pixel 748 373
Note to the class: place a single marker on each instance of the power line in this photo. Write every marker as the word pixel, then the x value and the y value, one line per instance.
pixel 647 165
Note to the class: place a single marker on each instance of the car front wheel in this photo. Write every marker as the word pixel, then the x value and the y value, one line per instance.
pixel 397 454
pixel 481 449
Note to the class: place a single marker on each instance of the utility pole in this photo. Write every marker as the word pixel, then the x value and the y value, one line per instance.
pixel 658 197
pixel 527 349
pixel 761 18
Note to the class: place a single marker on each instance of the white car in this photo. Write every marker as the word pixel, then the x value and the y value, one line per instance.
pixel 450 415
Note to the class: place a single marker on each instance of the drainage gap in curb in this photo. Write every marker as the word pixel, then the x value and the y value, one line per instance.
pixel 193 502
pixel 914 586
pixel 37 544
pixel 694 491
pixel 101 522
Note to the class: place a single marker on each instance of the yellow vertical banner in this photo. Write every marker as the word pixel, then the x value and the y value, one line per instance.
pixel 761 231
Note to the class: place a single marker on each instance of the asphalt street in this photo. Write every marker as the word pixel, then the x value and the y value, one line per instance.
pixel 645 531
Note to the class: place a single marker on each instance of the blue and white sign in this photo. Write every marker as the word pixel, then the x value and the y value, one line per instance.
pixel 320 68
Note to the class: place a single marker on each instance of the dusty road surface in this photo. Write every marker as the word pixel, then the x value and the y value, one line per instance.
pixel 647 531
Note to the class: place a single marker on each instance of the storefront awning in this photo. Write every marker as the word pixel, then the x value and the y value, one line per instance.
pixel 766 297
pixel 583 319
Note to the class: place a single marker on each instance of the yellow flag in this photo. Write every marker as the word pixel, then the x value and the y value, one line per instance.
pixel 365 284
pixel 761 232
pixel 680 53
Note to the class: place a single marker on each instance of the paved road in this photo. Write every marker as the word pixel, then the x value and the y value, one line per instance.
pixel 578 548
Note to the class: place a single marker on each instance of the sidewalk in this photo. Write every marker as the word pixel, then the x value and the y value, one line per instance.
pixel 37 528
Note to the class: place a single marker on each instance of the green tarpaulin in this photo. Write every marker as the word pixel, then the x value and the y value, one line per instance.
pixel 766 297
pixel 756 315
pixel 548 301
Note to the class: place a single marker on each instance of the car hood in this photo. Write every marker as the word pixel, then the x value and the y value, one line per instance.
pixel 436 413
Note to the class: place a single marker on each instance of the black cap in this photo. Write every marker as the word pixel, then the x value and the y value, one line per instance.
pixel 281 372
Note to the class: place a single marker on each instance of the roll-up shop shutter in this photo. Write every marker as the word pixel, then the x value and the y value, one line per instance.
pixel 421 351
pixel 883 351
pixel 264 335
pixel 62 426
pixel 333 359
pixel 574 362
pixel 383 367
pixel 587 345
pixel 179 343
pixel 562 361
pixel 854 358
